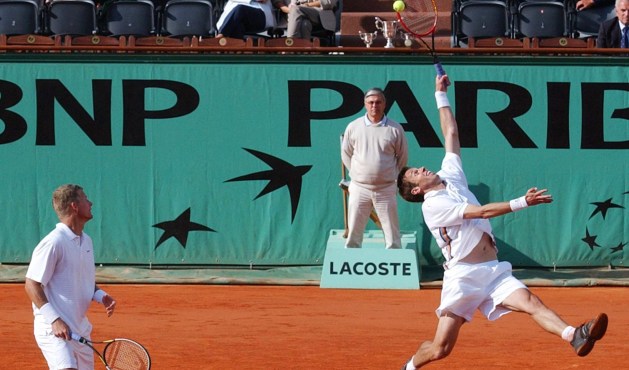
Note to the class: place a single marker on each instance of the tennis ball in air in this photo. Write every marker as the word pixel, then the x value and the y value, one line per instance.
pixel 399 5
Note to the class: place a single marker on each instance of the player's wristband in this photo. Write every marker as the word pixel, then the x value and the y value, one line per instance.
pixel 98 295
pixel 442 99
pixel 49 313
pixel 518 203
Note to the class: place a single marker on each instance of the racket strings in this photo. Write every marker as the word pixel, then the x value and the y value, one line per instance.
pixel 126 355
pixel 418 6
pixel 419 24
pixel 419 17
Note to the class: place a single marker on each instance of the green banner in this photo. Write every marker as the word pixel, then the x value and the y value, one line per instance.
pixel 235 160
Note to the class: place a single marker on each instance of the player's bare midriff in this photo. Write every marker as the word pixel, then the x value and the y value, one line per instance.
pixel 484 251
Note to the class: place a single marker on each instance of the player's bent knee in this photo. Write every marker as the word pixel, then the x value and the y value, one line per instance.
pixel 535 304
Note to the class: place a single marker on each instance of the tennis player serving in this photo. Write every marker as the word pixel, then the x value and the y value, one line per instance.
pixel 474 279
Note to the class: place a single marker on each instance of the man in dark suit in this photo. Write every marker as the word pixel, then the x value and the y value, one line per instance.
pixel 614 33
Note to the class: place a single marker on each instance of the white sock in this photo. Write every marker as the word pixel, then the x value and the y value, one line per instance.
pixel 410 365
pixel 567 333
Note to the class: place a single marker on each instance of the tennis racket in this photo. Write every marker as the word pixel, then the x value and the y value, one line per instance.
pixel 419 18
pixel 120 353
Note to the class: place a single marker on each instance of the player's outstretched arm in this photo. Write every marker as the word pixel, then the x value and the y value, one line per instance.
pixel 532 197
pixel 449 126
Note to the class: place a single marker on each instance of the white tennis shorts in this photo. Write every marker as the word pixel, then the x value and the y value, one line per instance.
pixel 482 286
pixel 62 354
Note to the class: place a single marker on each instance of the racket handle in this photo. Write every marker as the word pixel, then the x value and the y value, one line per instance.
pixel 439 69
pixel 78 338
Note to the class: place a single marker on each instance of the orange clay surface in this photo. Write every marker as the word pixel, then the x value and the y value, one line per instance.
pixel 288 327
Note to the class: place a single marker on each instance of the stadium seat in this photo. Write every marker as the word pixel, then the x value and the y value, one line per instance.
pixel 547 24
pixel 71 17
pixel 20 17
pixel 587 22
pixel 538 18
pixel 328 38
pixel 188 18
pixel 480 19
pixel 129 17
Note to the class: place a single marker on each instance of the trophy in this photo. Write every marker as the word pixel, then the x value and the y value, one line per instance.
pixel 389 30
pixel 367 37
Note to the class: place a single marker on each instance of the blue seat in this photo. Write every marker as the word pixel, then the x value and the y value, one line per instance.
pixel 19 17
pixel 188 18
pixel 71 17
pixel 129 18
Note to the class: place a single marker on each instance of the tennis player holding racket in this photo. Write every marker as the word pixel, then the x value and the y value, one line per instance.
pixel 61 283
pixel 474 278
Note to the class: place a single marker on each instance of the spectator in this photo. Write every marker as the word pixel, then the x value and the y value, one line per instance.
pixel 614 33
pixel 374 150
pixel 241 17
pixel 305 15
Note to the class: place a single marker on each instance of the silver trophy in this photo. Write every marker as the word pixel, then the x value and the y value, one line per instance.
pixel 367 37
pixel 389 30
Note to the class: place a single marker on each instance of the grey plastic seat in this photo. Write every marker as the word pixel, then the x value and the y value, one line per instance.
pixel 542 19
pixel 188 18
pixel 19 17
pixel 129 18
pixel 72 17
pixel 484 18
pixel 588 21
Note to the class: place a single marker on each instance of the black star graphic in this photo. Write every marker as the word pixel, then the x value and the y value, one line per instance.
pixel 620 247
pixel 603 207
pixel 590 239
pixel 282 174
pixel 179 228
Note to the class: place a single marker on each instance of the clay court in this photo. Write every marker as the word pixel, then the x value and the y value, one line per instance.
pixel 305 327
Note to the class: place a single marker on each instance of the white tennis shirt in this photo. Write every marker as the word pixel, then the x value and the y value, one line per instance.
pixel 445 208
pixel 63 263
